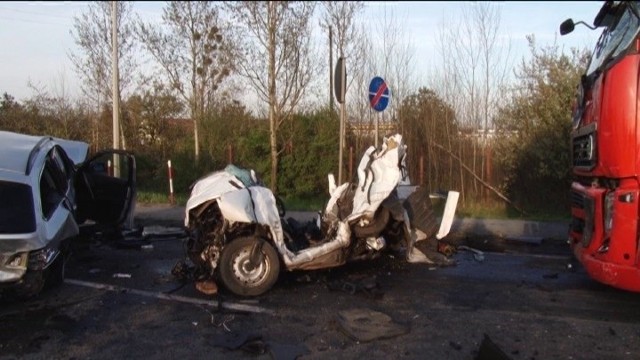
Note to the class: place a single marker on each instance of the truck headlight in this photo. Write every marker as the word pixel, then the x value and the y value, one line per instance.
pixel 608 211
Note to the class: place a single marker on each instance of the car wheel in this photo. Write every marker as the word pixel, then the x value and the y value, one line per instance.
pixel 375 227
pixel 55 272
pixel 237 272
pixel 31 285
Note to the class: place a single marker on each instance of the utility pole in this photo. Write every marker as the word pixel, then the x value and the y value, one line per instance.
pixel 330 68
pixel 115 76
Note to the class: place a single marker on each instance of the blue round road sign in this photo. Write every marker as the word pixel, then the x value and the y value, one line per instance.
pixel 379 94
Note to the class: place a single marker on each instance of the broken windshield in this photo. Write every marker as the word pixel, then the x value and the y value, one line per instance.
pixel 617 37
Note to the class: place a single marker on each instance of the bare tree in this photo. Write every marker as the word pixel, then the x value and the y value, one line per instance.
pixel 192 52
pixel 476 66
pixel 92 33
pixel 277 59
pixel 387 51
pixel 338 19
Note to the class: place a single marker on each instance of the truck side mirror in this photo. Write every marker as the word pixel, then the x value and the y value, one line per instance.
pixel 567 26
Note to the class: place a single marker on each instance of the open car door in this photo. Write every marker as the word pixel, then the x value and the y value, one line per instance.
pixel 106 188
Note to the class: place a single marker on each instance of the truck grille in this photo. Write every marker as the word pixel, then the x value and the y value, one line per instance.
pixel 577 199
pixel 584 151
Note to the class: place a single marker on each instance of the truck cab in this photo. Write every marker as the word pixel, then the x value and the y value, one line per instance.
pixel 605 141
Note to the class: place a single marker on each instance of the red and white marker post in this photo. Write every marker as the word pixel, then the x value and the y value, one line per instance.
pixel 172 199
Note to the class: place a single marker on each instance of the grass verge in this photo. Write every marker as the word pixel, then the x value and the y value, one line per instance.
pixel 494 210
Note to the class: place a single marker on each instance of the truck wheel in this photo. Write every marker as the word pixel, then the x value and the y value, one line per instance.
pixel 237 272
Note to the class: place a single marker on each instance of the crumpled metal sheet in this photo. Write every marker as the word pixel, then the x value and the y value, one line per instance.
pixel 421 215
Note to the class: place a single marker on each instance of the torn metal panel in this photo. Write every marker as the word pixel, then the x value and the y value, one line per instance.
pixel 237 206
pixel 209 188
pixel 449 212
pixel 341 240
pixel 378 176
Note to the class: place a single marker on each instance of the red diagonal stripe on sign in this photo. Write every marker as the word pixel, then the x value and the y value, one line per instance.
pixel 376 98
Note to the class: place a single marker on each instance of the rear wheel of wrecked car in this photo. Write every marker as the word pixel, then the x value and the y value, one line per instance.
pixel 375 227
pixel 249 266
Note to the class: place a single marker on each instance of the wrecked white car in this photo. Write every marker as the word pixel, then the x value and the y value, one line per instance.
pixel 238 235
pixel 46 191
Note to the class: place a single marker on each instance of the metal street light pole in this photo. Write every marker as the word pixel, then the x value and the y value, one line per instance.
pixel 114 75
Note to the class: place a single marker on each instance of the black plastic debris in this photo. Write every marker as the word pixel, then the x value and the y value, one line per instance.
pixel 253 343
pixel 368 286
pixel 490 351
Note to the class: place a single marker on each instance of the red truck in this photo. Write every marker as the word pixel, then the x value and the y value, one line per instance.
pixel 605 143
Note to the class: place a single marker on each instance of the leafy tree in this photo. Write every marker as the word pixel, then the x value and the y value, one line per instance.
pixel 534 127
pixel 339 17
pixel 93 63
pixel 309 154
pixel 11 114
pixel 150 113
pixel 277 59
pixel 223 127
pixel 57 116
pixel 92 33
pixel 429 122
pixel 193 54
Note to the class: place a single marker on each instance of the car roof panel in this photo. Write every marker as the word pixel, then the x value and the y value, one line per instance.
pixel 15 150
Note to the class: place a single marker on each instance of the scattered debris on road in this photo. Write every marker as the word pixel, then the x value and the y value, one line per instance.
pixel 121 276
pixel 477 254
pixel 164 296
pixel 253 343
pixel 368 286
pixel 368 325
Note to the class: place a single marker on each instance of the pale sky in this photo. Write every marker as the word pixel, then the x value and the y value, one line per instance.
pixel 36 35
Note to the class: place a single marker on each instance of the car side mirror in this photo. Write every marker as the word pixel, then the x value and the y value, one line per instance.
pixel 567 26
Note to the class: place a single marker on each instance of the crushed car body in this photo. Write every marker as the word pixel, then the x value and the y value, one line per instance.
pixel 237 231
pixel 47 190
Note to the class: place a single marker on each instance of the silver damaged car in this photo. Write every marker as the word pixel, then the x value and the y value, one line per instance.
pixel 47 190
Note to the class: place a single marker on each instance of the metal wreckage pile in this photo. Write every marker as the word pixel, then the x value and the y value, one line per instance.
pixel 238 233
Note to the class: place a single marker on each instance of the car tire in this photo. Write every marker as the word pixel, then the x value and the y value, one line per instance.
pixel 235 267
pixel 375 227
pixel 32 284
pixel 55 272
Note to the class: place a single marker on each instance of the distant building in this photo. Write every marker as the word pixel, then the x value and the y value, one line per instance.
pixel 367 129
pixel 481 136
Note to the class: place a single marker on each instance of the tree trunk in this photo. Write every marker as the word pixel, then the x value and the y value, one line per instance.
pixel 273 120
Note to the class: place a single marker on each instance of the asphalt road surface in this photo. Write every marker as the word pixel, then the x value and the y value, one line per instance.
pixel 519 302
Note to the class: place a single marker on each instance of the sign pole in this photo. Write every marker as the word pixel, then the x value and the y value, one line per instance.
pixel 377 126
pixel 340 90
pixel 342 125
pixel 379 96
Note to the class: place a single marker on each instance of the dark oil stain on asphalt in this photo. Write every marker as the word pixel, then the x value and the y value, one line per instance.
pixel 25 332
